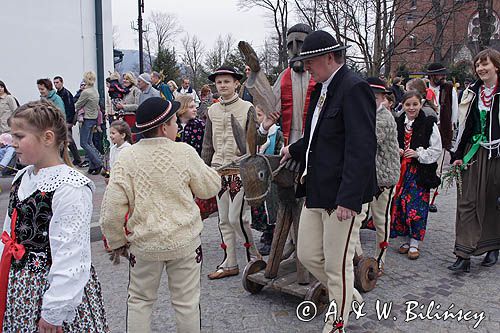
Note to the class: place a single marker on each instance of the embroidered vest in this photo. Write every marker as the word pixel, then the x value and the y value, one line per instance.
pixel 225 149
pixel 34 214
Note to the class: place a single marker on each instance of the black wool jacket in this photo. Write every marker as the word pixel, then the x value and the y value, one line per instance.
pixel 341 161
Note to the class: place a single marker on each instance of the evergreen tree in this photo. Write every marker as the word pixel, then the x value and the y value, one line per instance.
pixel 166 62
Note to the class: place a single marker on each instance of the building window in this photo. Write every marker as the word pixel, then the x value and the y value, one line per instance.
pixel 412 43
pixel 410 18
pixel 413 4
pixel 474 28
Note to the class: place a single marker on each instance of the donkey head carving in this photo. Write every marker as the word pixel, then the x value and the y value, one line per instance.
pixel 255 169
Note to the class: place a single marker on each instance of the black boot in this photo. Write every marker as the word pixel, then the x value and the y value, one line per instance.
pixel 433 208
pixel 267 237
pixel 490 259
pixel 460 265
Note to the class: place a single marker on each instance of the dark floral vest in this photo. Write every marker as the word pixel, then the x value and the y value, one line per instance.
pixel 32 227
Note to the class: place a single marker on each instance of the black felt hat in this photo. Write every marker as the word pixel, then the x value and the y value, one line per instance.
pixel 436 69
pixel 225 70
pixel 378 85
pixel 318 43
pixel 153 112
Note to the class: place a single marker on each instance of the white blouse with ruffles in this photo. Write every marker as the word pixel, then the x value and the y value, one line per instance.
pixel 433 152
pixel 69 236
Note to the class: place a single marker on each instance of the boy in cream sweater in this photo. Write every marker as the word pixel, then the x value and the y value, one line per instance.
pixel 154 181
pixel 219 148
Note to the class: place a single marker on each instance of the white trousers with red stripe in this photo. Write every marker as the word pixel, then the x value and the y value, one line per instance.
pixel 234 220
pixel 380 209
pixel 326 248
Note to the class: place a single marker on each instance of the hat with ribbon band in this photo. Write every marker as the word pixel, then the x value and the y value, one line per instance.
pixel 225 70
pixel 436 69
pixel 152 113
pixel 378 85
pixel 318 43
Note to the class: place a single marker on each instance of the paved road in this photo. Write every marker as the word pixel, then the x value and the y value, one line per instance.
pixel 227 307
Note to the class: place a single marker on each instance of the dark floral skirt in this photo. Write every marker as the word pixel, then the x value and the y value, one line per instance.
pixel 259 218
pixel 410 208
pixel 25 292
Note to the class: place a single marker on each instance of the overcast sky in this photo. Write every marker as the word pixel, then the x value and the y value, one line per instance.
pixel 204 18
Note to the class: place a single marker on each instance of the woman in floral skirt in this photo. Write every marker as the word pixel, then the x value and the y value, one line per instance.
pixel 420 148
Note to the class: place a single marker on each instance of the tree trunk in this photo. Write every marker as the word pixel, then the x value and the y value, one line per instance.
pixel 438 37
pixel 377 43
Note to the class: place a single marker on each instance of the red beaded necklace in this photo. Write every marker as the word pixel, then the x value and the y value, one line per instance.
pixel 487 99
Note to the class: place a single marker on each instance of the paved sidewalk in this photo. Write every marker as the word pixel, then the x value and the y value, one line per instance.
pixel 227 307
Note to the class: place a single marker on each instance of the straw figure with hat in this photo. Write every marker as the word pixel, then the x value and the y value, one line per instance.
pixel 219 149
pixel 339 136
pixel 388 166
pixel 445 97
pixel 153 181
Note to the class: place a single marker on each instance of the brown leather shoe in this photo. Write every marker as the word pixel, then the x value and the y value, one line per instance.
pixel 413 254
pixel 403 249
pixel 222 273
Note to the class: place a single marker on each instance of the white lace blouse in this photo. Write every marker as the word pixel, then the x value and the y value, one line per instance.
pixel 433 152
pixel 69 236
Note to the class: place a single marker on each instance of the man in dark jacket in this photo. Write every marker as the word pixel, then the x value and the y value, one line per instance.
pixel 69 107
pixel 337 155
pixel 446 100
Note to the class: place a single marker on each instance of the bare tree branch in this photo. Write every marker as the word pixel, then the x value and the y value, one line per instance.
pixel 165 27
pixel 279 12
pixel 193 56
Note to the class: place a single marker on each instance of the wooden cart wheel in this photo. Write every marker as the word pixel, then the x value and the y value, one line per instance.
pixel 252 267
pixel 318 294
pixel 365 274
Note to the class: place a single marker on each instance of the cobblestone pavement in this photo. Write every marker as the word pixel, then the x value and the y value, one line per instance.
pixel 227 307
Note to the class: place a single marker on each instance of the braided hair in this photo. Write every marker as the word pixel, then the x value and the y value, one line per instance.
pixel 44 115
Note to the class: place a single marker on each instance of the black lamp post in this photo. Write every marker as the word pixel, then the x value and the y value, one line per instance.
pixel 140 8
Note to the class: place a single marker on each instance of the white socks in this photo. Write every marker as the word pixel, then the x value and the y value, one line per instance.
pixel 413 245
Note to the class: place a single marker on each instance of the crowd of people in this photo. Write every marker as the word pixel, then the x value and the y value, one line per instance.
pixel 370 153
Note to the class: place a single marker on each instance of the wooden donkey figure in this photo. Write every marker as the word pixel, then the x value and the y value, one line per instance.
pixel 257 172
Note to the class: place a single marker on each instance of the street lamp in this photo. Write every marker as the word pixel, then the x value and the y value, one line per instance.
pixel 140 8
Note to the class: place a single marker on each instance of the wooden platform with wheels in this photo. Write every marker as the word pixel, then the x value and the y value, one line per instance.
pixel 254 280
pixel 289 275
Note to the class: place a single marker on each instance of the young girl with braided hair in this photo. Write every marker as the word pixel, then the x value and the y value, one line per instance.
pixel 47 282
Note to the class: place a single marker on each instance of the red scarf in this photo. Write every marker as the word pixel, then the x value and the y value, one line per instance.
pixel 287 103
pixel 11 249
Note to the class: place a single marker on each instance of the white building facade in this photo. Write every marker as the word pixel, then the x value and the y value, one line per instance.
pixel 45 38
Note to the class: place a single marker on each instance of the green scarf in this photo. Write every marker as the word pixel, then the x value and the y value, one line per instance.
pixel 477 139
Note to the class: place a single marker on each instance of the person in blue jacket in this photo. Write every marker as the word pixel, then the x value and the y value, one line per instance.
pixel 48 92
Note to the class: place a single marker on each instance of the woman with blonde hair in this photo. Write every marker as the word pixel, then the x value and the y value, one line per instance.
pixel 173 87
pixel 130 101
pixel 191 129
pixel 89 102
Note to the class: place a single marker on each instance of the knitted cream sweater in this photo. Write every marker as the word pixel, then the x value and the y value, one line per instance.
pixel 155 179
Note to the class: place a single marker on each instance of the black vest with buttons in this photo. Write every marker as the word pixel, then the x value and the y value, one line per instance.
pixel 422 131
pixel 34 214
